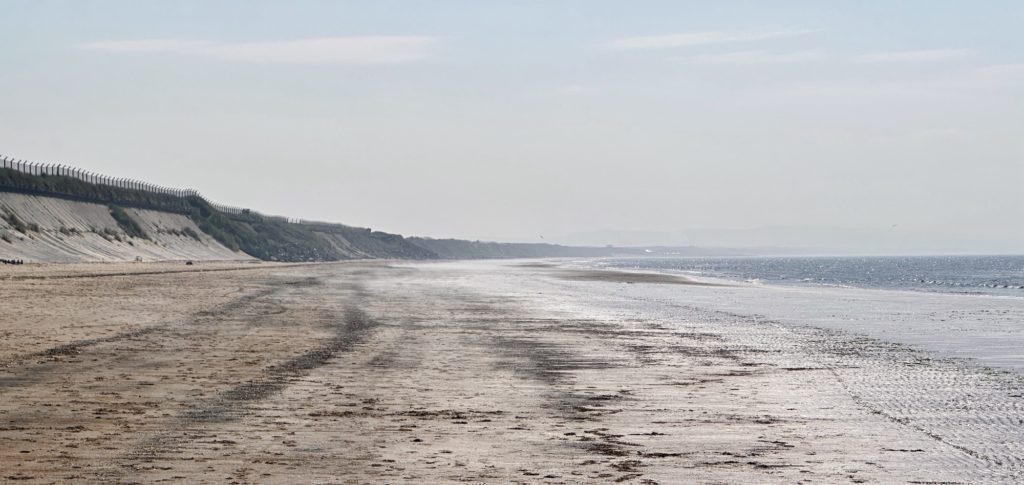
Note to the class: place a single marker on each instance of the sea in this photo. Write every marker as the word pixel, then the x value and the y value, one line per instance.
pixel 966 307
pixel 981 275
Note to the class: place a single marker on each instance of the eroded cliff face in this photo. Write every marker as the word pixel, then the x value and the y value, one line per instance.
pixel 131 226
pixel 44 229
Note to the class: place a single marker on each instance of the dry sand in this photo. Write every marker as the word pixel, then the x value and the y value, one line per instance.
pixel 371 372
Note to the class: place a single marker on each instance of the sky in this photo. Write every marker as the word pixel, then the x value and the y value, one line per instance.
pixel 557 121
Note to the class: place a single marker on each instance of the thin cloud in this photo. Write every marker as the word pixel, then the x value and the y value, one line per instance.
pixel 326 50
pixel 689 39
pixel 924 55
pixel 761 57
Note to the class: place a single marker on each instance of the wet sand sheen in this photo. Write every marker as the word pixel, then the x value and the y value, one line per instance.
pixel 483 372
pixel 627 277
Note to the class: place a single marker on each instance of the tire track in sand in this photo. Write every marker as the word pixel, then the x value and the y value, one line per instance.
pixel 191 424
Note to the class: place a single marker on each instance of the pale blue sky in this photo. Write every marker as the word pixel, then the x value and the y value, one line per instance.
pixel 485 119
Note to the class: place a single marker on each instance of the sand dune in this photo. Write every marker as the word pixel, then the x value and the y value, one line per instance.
pixel 71 231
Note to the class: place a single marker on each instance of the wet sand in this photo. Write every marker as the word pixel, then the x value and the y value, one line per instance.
pixel 370 372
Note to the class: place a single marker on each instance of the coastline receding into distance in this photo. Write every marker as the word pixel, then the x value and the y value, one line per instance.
pixel 511 242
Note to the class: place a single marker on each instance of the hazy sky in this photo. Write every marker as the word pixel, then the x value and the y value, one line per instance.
pixel 516 119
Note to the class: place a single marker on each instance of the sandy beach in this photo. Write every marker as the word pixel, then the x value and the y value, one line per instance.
pixel 484 372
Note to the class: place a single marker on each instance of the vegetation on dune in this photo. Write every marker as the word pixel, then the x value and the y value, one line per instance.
pixel 261 237
pixel 18 225
pixel 75 189
pixel 375 243
pixel 127 223
pixel 184 232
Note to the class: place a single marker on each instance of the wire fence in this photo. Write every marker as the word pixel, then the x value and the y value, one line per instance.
pixel 62 170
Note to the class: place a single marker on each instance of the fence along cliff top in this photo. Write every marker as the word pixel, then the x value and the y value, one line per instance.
pixel 54 169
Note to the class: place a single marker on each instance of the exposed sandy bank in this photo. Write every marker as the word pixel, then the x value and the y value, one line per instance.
pixel 71 231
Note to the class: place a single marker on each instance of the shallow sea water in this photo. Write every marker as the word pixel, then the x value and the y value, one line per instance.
pixel 986 327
